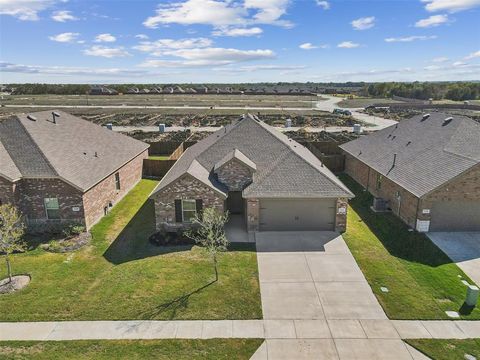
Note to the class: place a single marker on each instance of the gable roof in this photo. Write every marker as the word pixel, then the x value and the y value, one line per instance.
pixel 72 149
pixel 284 168
pixel 235 154
pixel 429 152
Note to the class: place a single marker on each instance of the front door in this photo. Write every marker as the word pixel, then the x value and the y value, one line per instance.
pixel 235 202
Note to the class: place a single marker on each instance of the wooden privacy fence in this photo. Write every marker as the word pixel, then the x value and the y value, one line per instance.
pixel 156 168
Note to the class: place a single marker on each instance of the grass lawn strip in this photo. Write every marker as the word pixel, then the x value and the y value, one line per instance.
pixel 423 282
pixel 447 349
pixel 215 349
pixel 120 276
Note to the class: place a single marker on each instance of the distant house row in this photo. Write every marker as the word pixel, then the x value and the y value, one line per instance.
pixel 177 89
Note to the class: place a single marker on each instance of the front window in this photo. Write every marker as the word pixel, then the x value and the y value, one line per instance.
pixel 189 210
pixel 117 181
pixel 52 208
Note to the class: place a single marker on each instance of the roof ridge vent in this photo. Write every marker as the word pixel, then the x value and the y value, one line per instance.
pixel 31 117
pixel 425 117
pixel 447 121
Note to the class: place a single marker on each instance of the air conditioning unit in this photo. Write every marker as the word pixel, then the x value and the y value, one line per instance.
pixel 380 205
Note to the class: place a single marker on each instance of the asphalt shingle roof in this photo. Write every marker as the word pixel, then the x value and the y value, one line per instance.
pixel 284 168
pixel 73 149
pixel 429 151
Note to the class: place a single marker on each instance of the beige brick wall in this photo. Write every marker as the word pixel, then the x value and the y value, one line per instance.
pixel 235 175
pixel 32 192
pixel 404 206
pixel 187 188
pixel 253 214
pixel 105 192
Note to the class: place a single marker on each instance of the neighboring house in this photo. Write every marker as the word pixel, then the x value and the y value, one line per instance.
pixel 251 169
pixel 427 169
pixel 64 169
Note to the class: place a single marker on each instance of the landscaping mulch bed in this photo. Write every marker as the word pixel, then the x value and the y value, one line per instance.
pixel 68 244
pixel 18 282
pixel 170 239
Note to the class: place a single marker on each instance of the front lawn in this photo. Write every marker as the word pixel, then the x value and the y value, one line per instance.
pixel 159 157
pixel 447 349
pixel 121 276
pixel 422 281
pixel 238 349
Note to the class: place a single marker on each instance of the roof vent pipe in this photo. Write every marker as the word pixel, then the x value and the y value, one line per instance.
pixel 54 116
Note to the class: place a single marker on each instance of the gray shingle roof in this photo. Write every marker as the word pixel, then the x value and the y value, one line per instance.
pixel 429 152
pixel 235 154
pixel 284 167
pixel 75 150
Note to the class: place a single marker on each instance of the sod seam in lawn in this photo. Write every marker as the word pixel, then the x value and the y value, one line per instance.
pixel 215 349
pixel 449 349
pixel 423 282
pixel 121 276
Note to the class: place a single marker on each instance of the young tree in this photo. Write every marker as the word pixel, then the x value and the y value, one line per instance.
pixel 209 232
pixel 11 233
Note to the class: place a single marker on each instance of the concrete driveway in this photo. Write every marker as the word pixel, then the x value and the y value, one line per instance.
pixel 463 248
pixel 313 279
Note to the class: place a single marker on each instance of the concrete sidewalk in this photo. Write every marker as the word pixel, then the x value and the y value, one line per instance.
pixel 266 329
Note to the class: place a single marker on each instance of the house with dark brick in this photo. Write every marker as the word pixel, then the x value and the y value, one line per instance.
pixel 255 172
pixel 426 170
pixel 58 168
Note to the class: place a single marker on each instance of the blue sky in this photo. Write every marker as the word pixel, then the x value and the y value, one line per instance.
pixel 199 41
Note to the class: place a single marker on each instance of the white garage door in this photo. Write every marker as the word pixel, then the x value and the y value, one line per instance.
pixel 297 214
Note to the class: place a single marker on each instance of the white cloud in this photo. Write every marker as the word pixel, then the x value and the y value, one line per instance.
pixel 61 70
pixel 226 31
pixel 432 67
pixel 107 52
pixel 441 59
pixel 141 36
pixel 159 47
pixel 323 4
pixel 65 37
pixel 220 13
pixel 63 16
pixel 208 57
pixel 26 10
pixel 207 12
pixel 307 46
pixel 432 21
pixel 105 38
pixel 410 38
pixel 363 23
pixel 450 5
pixel 348 45
pixel 473 55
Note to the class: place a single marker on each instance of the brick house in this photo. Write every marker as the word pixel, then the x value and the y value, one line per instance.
pixel 425 169
pixel 58 168
pixel 253 171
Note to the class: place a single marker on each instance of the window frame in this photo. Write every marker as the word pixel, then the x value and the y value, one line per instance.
pixel 118 185
pixel 47 209
pixel 189 201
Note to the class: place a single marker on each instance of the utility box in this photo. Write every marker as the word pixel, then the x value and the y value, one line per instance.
pixel 161 128
pixel 472 295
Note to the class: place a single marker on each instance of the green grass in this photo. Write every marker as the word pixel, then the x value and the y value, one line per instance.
pixel 238 349
pixel 422 280
pixel 121 276
pixel 158 157
pixel 447 349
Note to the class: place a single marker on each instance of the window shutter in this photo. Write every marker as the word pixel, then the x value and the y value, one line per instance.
pixel 199 205
pixel 178 211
